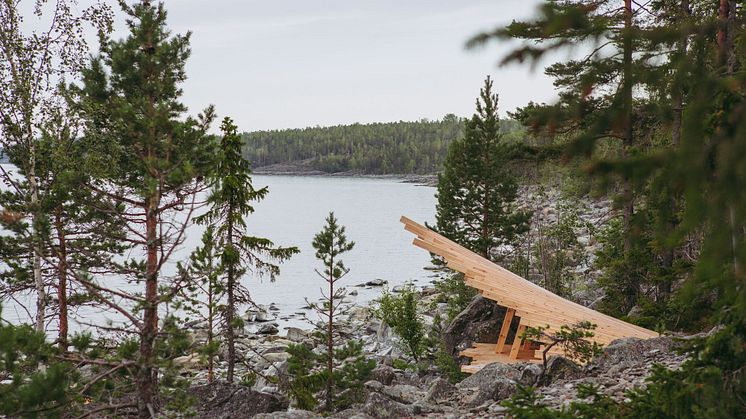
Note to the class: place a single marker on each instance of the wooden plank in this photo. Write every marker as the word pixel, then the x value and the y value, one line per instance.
pixel 504 330
pixel 517 341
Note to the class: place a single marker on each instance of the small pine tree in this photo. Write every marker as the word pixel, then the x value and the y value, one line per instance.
pixel 341 369
pixel 330 243
pixel 230 203
pixel 202 298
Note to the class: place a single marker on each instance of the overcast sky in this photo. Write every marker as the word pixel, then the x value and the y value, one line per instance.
pixel 273 64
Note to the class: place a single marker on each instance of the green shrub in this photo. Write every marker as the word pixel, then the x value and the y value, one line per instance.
pixel 399 311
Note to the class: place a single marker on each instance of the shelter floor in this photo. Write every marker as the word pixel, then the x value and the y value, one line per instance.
pixel 484 353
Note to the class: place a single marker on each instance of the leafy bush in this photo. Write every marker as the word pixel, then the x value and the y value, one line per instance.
pixel 399 311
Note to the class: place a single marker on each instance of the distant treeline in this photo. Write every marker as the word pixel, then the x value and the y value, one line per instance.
pixel 380 148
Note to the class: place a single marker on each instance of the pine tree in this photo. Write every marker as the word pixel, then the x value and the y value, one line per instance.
pixel 158 160
pixel 702 168
pixel 231 201
pixel 476 192
pixel 340 371
pixel 330 243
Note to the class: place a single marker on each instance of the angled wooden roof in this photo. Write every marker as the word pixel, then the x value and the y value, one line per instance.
pixel 533 304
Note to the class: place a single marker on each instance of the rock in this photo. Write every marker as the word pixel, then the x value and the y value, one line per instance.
pixel 296 334
pixel 431 268
pixel 561 368
pixel 224 401
pixel 267 329
pixel 374 385
pixel 440 390
pixel 273 307
pixel 188 362
pixel 489 373
pixel 630 351
pixel 530 375
pixel 376 282
pixel 352 293
pixel 292 414
pixel 493 382
pixel 635 311
pixel 384 374
pixel 381 407
pixel 276 357
pixel 479 322
pixel 403 393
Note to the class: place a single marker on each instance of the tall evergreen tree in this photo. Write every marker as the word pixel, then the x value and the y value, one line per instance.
pixel 231 201
pixel 476 192
pixel 158 160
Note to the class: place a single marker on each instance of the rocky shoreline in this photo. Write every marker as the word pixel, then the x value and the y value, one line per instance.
pixel 304 169
pixel 394 393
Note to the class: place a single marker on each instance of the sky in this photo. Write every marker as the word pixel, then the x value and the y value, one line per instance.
pixel 274 64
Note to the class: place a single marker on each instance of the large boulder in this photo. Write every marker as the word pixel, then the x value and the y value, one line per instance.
pixel 479 322
pixel 440 390
pixel 292 414
pixel 229 401
pixel 631 351
pixel 384 374
pixel 403 393
pixel 381 407
pixel 561 368
pixel 493 382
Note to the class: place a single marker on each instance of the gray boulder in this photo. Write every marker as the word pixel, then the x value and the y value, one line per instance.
pixel 479 322
pixel 292 414
pixel 561 368
pixel 384 374
pixel 493 382
pixel 403 393
pixel 630 351
pixel 227 401
pixel 267 329
pixel 381 407
pixel 440 390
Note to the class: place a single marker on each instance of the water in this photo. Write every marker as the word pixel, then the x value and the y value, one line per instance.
pixel 293 212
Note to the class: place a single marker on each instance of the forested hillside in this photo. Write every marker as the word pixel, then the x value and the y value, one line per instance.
pixel 379 148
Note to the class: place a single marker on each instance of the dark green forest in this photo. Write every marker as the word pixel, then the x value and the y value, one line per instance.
pixel 379 148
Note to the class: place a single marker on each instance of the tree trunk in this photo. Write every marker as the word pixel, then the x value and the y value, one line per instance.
pixel 727 61
pixel 230 311
pixel 146 380
pixel 629 208
pixel 210 315
pixel 329 337
pixel 677 105
pixel 62 279
pixel 36 252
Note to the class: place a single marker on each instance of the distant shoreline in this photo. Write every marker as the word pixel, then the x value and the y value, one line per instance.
pixel 420 180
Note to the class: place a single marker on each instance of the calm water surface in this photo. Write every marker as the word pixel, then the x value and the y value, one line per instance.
pixel 293 212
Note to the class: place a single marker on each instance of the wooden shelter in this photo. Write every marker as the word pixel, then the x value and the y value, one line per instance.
pixel 526 303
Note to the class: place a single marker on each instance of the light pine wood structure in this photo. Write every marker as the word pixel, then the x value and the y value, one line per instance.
pixel 528 303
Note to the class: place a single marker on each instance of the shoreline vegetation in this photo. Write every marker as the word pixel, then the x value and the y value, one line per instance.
pixel 303 169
